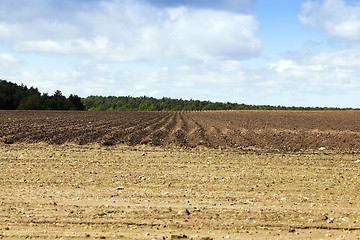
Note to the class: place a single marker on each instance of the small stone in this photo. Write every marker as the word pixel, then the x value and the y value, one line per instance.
pixel 179 236
pixel 183 212
pixel 120 188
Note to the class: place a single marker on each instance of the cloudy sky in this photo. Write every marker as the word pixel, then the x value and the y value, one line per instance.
pixel 280 52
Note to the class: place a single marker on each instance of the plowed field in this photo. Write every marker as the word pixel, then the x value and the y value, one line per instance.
pixel 269 130
pixel 179 175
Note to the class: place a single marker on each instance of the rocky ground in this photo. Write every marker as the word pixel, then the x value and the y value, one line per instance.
pixel 72 191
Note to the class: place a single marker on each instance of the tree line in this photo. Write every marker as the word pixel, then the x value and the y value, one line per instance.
pixel 20 97
pixel 112 103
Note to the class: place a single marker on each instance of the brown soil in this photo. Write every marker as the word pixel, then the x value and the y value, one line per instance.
pixel 266 130
pixel 180 175
pixel 142 192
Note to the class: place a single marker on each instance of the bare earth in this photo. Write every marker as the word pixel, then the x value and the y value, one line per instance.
pixel 179 175
pixel 265 130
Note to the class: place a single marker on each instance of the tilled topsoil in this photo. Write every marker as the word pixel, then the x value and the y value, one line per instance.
pixel 266 130
pixel 179 175
pixel 70 191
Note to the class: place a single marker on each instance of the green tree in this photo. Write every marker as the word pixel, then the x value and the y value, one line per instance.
pixel 33 102
pixel 73 102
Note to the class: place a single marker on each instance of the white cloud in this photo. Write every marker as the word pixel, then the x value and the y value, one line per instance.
pixel 9 65
pixel 198 81
pixel 5 29
pixel 283 65
pixel 228 5
pixel 49 81
pixel 334 16
pixel 328 73
pixel 7 58
pixel 231 66
pixel 95 47
pixel 214 80
pixel 42 45
pixel 345 58
pixel 164 51
pixel 324 73
pixel 131 30
pixel 209 34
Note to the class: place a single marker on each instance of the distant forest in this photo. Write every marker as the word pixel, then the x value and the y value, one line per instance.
pixel 15 97
pixel 20 97
pixel 111 103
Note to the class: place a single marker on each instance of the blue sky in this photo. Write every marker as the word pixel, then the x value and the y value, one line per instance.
pixel 292 53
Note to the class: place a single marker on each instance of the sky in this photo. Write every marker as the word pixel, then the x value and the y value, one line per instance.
pixel 279 52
